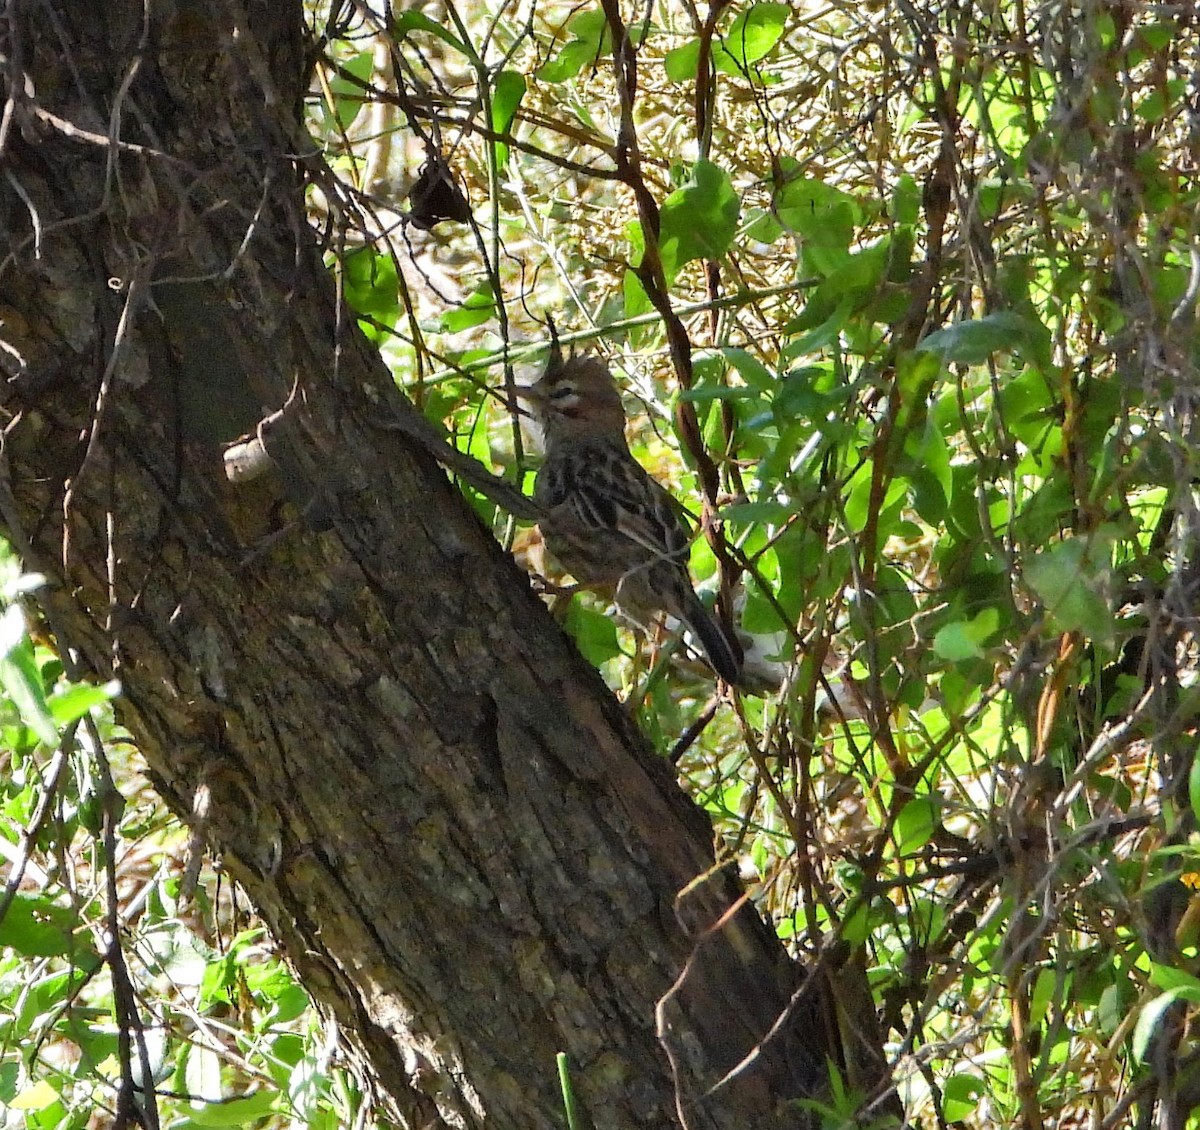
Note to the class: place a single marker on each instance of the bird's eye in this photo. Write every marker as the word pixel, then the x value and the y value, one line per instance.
pixel 562 392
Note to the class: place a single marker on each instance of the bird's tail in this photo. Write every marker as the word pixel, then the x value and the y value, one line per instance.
pixel 724 653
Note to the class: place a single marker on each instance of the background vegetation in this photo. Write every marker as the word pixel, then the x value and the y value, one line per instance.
pixel 903 296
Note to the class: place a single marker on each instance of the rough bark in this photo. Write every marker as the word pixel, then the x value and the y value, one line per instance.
pixel 464 847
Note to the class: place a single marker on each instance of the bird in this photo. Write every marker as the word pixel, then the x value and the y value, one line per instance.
pixel 606 520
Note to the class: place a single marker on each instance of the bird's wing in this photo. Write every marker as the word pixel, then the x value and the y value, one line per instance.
pixel 607 489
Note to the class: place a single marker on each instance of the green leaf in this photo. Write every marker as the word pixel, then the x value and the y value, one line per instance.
pixel 637 301
pixel 858 498
pixel 1027 403
pixel 699 220
pixel 804 393
pixel 960 1097
pixel 1115 1004
pixel 1158 35
pixel 895 608
pixel 1168 977
pixel 1045 986
pixel 349 96
pixel 76 701
pixel 858 273
pixel 478 307
pixel 964 639
pixel 972 343
pixel 857 928
pixel 1152 1014
pixel 290 1002
pixel 37 1097
pixel 765 511
pixel 371 288
pixel 753 34
pixel 594 633
pixel 1158 103
pixel 751 369
pixel 750 38
pixel 235 1112
pixel 412 20
pixel 637 242
pixel 506 97
pixel 591 40
pixel 824 216
pixel 906 206
pixel 931 474
pixel 706 394
pixel 36 927
pixel 10 1075
pixel 763 228
pixel 822 332
pixel 270 979
pixel 20 677
pixel 1071 579
pixel 916 823
pixel 680 63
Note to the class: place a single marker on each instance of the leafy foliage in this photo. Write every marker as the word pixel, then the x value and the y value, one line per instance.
pixel 229 1036
pixel 928 298
pixel 919 286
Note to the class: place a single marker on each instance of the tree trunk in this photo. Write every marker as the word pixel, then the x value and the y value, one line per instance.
pixel 461 842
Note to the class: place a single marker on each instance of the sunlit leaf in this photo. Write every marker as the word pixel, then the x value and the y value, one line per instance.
pixel 857 927
pixel 1072 579
pixel 371 288
pixel 823 215
pixel 916 823
pixel 698 221
pixel 349 96
pixel 235 1112
pixel 20 677
pixel 680 63
pixel 1045 986
pixel 906 201
pixel 590 41
pixel 754 33
pixel 37 1097
pixel 750 39
pixel 411 19
pixel 478 307
pixel 1158 35
pixel 74 702
pixel 37 927
pixel 637 301
pixel 973 342
pixel 960 1097
pixel 203 1078
pixel 595 634
pixel 858 500
pixel 763 228
pixel 964 639
pixel 1151 1016
pixel 506 97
